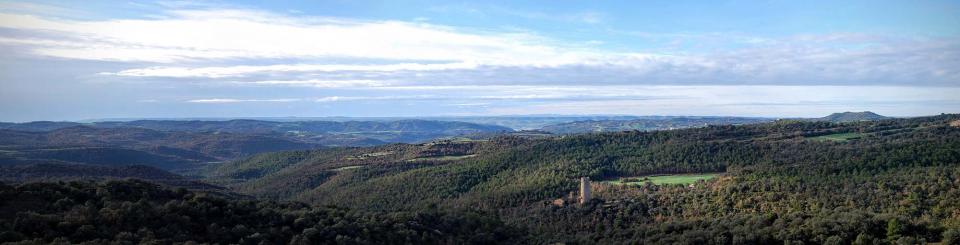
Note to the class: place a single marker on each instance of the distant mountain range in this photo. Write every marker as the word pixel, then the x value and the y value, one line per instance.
pixel 678 122
pixel 517 122
pixel 647 124
pixel 330 133
pixel 214 145
pixel 186 147
pixel 192 147
pixel 177 151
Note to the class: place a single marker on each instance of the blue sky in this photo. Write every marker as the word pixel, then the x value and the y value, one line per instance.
pixel 109 59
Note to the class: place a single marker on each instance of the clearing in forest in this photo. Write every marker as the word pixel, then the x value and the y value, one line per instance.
pixel 441 158
pixel 663 179
pixel 837 137
pixel 347 168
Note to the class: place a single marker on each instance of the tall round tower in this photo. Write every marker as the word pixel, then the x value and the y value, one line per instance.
pixel 584 189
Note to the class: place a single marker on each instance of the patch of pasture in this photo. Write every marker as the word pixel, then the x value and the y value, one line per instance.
pixel 668 179
pixel 441 158
pixel 347 168
pixel 837 137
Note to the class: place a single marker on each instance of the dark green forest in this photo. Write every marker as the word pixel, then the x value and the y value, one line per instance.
pixel 136 212
pixel 892 181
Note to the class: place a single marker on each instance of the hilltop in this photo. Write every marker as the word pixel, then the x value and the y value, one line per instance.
pixel 103 150
pixel 851 117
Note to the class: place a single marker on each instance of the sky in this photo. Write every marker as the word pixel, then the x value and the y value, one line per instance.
pixel 77 60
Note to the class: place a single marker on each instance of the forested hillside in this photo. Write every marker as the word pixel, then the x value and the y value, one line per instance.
pixel 182 152
pixel 851 117
pixel 783 177
pixel 135 212
pixel 189 147
pixel 788 181
pixel 53 172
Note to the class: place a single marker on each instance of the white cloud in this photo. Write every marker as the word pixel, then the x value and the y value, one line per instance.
pixel 328 99
pixel 336 53
pixel 241 71
pixel 221 101
pixel 379 98
pixel 323 83
pixel 222 34
pixel 471 104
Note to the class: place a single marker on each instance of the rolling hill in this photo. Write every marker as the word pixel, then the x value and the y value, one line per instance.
pixel 189 147
pixel 38 125
pixel 775 182
pixel 851 117
pixel 786 181
pixel 181 152
pixel 328 133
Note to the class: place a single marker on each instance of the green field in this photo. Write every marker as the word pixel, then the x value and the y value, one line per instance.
pixel 663 179
pixel 837 137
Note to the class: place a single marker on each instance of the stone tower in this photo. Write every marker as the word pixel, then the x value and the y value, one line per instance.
pixel 584 189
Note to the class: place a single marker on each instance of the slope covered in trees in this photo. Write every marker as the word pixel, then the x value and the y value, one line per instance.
pixel 898 181
pixel 51 172
pixel 901 171
pixel 139 212
pixel 182 152
pixel 188 147
pixel 205 146
pixel 851 117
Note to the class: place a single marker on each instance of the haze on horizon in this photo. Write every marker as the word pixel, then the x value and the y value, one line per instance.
pixel 176 59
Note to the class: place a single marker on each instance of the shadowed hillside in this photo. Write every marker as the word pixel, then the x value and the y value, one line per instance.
pixel 140 212
pixel 177 151
pixel 53 172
